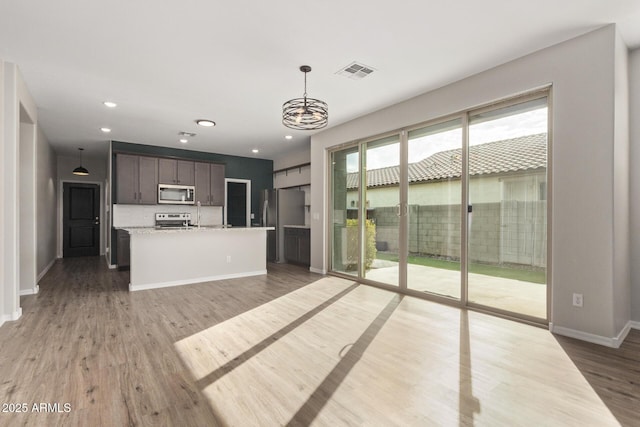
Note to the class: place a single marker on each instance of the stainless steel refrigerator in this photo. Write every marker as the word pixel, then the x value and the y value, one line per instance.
pixel 280 208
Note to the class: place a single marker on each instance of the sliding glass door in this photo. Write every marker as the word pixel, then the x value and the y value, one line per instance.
pixel 433 211
pixel 454 209
pixel 381 199
pixel 508 197
pixel 345 218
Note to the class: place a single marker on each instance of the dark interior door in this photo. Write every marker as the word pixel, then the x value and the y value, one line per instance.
pixel 81 220
pixel 237 204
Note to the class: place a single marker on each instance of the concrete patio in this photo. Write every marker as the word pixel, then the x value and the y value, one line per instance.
pixel 507 294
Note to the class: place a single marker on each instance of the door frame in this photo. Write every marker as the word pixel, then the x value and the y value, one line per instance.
pixel 247 182
pixel 61 213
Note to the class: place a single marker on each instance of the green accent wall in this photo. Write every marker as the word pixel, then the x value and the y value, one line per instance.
pixel 259 171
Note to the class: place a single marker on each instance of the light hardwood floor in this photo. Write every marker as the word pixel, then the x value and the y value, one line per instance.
pixel 294 348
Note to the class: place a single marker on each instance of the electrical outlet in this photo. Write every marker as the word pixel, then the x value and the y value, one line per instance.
pixel 577 300
pixel 228 258
pixel 253 216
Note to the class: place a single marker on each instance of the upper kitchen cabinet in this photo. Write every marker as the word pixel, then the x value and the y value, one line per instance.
pixel 136 179
pixel 173 171
pixel 217 185
pixel 209 178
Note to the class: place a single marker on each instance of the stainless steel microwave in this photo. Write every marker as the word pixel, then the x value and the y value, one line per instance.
pixel 176 194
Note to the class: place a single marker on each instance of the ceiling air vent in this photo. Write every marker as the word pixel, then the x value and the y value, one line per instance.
pixel 355 71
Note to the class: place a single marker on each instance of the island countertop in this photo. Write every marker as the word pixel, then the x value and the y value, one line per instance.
pixel 192 229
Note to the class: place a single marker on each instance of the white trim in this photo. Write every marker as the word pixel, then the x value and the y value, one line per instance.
pixel 318 270
pixel 107 259
pixel 634 324
pixel 618 340
pixel 247 182
pixel 45 271
pixel 31 291
pixel 11 317
pixel 613 342
pixel 196 280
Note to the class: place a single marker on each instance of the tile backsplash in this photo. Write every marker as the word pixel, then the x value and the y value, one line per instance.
pixel 145 215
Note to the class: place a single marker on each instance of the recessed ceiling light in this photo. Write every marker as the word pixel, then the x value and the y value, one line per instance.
pixel 255 150
pixel 110 104
pixel 288 137
pixel 105 130
pixel 206 123
pixel 184 141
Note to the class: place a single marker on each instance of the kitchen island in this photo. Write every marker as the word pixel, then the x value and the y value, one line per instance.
pixel 181 256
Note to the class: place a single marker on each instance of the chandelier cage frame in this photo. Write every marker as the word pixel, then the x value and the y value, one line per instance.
pixel 305 113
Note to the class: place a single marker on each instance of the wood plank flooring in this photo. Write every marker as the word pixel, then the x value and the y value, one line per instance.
pixel 294 348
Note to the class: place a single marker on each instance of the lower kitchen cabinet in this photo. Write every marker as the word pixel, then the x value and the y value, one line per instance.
pixel 123 249
pixel 297 245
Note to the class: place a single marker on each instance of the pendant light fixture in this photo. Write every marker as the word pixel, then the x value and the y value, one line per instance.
pixel 80 170
pixel 305 113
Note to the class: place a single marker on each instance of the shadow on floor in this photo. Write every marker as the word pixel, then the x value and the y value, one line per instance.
pixel 614 374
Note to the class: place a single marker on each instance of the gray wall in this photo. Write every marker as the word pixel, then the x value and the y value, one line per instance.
pixel 46 202
pixel 4 309
pixel 27 203
pixel 621 204
pixel 583 163
pixel 634 81
pixel 14 96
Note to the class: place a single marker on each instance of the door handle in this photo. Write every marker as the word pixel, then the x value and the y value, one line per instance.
pixel 97 223
pixel 265 208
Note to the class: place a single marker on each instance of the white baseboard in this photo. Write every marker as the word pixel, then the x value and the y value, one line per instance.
pixel 11 317
pixel 317 270
pixel 634 324
pixel 31 291
pixel 108 261
pixel 617 341
pixel 613 342
pixel 46 270
pixel 196 280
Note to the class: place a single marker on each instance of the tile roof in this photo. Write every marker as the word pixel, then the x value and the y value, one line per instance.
pixel 509 155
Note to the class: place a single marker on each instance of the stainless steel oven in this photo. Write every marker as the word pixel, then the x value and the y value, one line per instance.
pixel 176 194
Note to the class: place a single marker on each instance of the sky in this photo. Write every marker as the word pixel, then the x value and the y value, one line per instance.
pixel 527 123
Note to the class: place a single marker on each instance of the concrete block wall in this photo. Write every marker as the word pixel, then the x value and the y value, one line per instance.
pixel 484 238
pixel 435 231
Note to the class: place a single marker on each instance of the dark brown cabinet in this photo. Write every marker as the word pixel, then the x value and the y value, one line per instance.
pixel 123 255
pixel 297 245
pixel 136 179
pixel 209 181
pixel 173 171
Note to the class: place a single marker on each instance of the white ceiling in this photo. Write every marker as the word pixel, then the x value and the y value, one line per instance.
pixel 167 63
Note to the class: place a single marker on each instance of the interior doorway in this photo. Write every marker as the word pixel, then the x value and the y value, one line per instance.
pixel 238 202
pixel 27 193
pixel 81 220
